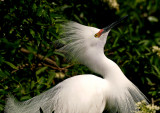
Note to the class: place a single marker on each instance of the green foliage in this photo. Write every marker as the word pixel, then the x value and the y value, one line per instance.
pixel 29 65
pixel 27 28
pixel 141 34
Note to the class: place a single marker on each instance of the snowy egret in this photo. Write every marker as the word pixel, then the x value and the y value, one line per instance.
pixel 85 93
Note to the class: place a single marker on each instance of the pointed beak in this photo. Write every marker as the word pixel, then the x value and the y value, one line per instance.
pixel 113 24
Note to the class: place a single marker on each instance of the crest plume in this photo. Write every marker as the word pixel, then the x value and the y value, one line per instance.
pixel 76 39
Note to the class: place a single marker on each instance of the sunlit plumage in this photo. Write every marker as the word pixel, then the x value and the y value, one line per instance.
pixel 85 93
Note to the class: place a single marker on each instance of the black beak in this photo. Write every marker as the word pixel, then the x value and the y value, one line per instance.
pixel 113 24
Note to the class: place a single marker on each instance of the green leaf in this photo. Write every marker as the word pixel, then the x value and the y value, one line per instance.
pixel 41 70
pixel 51 77
pixel 157 70
pixel 32 32
pixel 138 53
pixel 149 81
pixel 34 7
pixel 40 12
pixel 32 84
pixel 25 21
pixel 57 60
pixel 115 42
pixel 11 65
pixel 4 73
pixel 58 53
pixel 78 19
pixel 44 13
pixel 25 98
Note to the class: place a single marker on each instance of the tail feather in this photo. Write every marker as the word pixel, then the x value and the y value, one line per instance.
pixel 46 101
pixel 11 105
pixel 124 99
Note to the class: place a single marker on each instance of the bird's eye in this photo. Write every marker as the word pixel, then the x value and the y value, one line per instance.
pixel 96 35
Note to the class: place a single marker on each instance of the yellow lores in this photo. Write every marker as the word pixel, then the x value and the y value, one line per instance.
pixel 97 35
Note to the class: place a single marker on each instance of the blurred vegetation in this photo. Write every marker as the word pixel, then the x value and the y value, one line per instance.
pixel 144 108
pixel 30 65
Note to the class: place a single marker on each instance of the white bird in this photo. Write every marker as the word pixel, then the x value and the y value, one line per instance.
pixel 85 93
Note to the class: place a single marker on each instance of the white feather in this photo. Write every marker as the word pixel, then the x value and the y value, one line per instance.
pixel 85 93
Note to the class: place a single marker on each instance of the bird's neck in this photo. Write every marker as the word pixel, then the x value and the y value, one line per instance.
pixel 104 66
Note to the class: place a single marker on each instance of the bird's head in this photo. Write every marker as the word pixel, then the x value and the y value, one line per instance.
pixel 107 29
pixel 82 42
